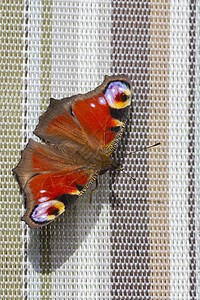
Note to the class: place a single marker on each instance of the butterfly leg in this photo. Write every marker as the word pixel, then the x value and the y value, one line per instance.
pixel 92 190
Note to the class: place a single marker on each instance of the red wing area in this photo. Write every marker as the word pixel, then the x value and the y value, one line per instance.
pixel 49 182
pixel 103 112
pixel 51 185
pixel 94 117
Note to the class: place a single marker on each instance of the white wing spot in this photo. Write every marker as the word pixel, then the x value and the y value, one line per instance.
pixel 102 100
pixel 43 199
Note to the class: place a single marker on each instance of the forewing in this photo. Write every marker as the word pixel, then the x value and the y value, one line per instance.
pixel 49 180
pixel 96 118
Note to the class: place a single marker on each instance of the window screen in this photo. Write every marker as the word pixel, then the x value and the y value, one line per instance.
pixel 134 240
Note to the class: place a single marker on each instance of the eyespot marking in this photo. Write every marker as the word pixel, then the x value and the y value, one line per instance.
pixel 47 211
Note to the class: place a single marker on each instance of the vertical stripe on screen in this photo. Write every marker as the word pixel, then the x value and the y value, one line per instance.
pixel 11 65
pixel 197 149
pixel 191 149
pixel 45 94
pixel 129 218
pixel 158 157
pixel 178 150
pixel 31 114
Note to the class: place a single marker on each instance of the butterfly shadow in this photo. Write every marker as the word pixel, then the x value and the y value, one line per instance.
pixel 53 245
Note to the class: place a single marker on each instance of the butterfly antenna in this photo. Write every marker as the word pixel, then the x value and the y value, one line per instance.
pixel 121 169
pixel 146 148
pixel 140 149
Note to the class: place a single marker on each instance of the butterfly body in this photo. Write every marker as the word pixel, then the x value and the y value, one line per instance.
pixel 80 133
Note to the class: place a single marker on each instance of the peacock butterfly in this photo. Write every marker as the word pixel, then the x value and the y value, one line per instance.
pixel 80 133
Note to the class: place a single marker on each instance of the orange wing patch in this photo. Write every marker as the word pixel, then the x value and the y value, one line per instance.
pixel 94 117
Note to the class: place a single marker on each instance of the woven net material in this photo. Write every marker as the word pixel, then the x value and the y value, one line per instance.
pixel 135 240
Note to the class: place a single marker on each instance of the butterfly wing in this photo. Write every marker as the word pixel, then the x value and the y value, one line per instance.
pixel 50 181
pixel 98 116
pixel 80 130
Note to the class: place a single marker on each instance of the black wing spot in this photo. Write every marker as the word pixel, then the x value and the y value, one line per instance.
pixel 125 97
pixel 67 199
pixel 115 129
pixel 79 187
pixel 119 114
pixel 54 211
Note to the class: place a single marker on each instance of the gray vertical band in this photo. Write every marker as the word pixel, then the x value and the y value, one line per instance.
pixel 129 241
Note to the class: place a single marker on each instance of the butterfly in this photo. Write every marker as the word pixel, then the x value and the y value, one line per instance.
pixel 80 133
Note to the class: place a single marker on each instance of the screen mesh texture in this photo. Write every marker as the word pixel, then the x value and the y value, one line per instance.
pixel 135 239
